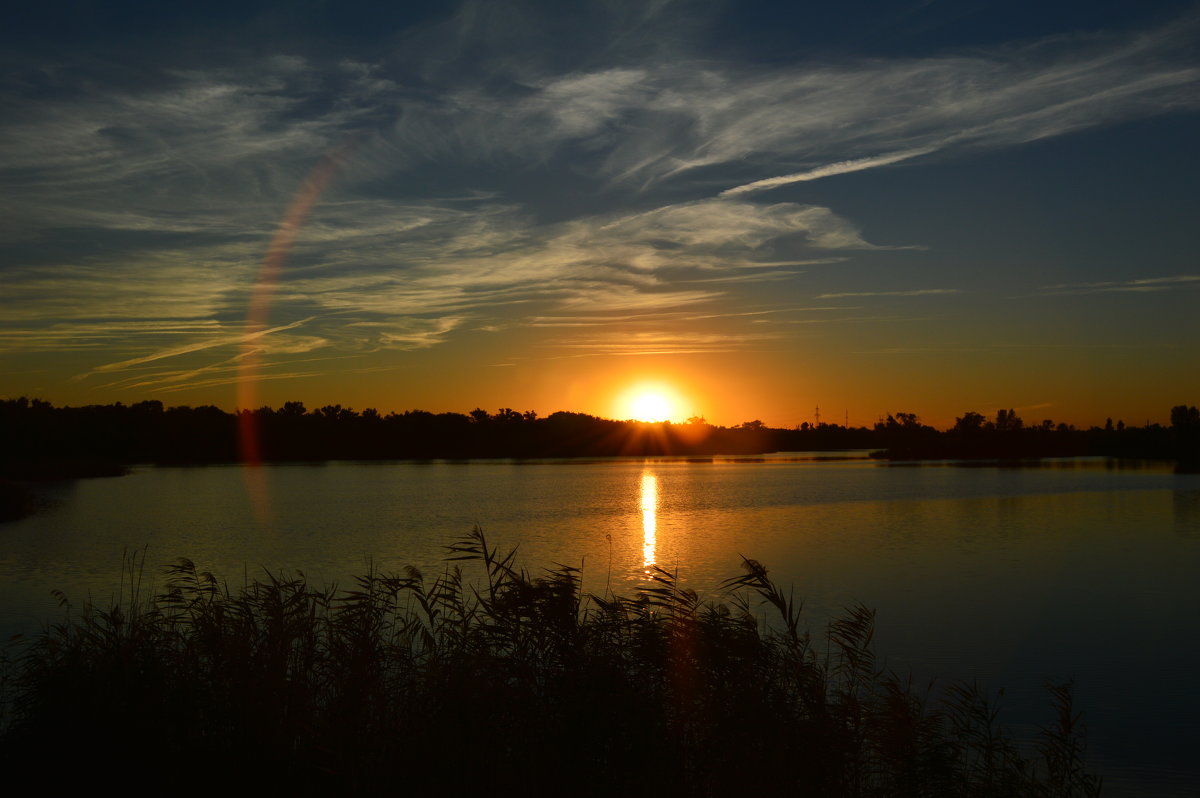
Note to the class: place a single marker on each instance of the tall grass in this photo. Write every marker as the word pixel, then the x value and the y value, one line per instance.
pixel 501 681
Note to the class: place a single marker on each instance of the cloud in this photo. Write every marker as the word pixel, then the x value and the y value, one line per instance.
pixel 209 343
pixel 182 379
pixel 856 116
pixel 915 292
pixel 659 343
pixel 582 104
pixel 453 261
pixel 715 224
pixel 839 168
pixel 842 319
pixel 1145 285
pixel 410 333
pixel 70 336
pixel 239 137
pixel 594 297
pixel 156 284
pixel 655 317
pixel 221 381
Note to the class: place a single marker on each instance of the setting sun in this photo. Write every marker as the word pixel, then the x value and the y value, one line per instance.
pixel 651 407
pixel 650 402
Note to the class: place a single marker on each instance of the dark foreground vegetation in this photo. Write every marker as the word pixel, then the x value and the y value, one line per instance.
pixel 43 441
pixel 500 683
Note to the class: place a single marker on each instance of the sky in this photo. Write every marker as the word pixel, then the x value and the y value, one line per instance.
pixel 753 208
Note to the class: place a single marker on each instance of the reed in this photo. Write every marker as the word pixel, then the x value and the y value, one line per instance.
pixel 499 680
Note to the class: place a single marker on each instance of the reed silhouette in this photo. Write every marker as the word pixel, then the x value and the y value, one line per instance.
pixel 500 681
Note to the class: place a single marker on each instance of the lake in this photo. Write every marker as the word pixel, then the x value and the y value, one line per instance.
pixel 1080 569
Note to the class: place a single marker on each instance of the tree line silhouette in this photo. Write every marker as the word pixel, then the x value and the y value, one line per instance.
pixel 44 441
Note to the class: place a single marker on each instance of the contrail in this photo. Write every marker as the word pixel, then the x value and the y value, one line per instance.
pixel 839 168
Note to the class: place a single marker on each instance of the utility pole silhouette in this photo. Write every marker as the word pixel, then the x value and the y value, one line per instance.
pixel 818 415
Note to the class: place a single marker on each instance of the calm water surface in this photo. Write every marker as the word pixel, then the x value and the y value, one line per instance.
pixel 1073 569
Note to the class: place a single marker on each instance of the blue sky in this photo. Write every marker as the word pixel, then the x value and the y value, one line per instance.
pixel 929 207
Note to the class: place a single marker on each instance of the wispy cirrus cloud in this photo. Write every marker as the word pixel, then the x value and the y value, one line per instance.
pixel 153 284
pixel 411 333
pixel 71 336
pixel 241 137
pixel 913 292
pixel 1144 285
pixel 462 260
pixel 210 343
pixel 216 382
pixel 405 260
pixel 658 342
pixel 182 379
pixel 829 170
pixel 664 119
pixel 842 320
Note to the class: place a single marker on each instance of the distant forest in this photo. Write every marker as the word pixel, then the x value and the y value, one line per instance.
pixel 43 441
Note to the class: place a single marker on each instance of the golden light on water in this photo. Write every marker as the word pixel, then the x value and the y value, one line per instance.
pixel 649 519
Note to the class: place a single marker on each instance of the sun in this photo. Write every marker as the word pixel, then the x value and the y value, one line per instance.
pixel 651 407
pixel 650 402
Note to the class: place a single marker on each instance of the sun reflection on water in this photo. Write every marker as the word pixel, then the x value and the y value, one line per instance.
pixel 649 519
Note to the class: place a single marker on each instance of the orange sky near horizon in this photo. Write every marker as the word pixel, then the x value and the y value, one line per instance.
pixel 725 389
